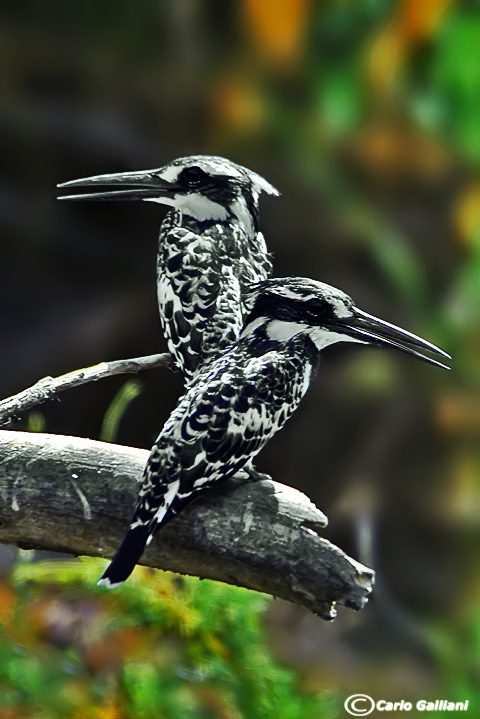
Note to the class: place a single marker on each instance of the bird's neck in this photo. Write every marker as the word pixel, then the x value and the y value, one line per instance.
pixel 241 214
pixel 260 337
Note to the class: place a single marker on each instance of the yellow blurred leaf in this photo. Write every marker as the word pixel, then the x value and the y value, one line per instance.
pixel 414 22
pixel 385 59
pixel 466 213
pixel 110 710
pixel 277 27
pixel 217 646
pixel 457 500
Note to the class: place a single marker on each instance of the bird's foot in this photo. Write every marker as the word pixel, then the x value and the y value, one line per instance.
pixel 253 475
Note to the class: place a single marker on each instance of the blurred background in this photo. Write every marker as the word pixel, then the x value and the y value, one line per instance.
pixel 366 116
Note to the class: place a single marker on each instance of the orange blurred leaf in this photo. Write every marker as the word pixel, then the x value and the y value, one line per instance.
pixel 459 413
pixel 417 20
pixel 237 105
pixel 112 650
pixel 391 149
pixel 277 27
pixel 8 601
pixel 12 713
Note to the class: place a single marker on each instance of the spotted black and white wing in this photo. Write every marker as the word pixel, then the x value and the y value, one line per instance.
pixel 219 425
pixel 200 279
pixel 190 286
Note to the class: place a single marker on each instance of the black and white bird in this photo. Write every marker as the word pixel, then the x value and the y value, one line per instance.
pixel 246 395
pixel 210 247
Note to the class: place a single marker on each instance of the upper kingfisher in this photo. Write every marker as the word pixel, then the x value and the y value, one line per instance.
pixel 210 247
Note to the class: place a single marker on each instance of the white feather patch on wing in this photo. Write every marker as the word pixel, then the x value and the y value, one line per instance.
pixel 306 379
pixel 167 500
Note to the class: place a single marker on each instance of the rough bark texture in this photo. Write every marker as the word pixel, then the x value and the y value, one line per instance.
pixel 77 495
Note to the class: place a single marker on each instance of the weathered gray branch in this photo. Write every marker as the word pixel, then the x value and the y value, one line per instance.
pixel 76 495
pixel 49 387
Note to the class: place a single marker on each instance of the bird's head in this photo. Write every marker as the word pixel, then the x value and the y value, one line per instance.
pixel 206 188
pixel 295 307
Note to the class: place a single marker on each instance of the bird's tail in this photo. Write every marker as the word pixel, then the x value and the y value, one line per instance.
pixel 126 556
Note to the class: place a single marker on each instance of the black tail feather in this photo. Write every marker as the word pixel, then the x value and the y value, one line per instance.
pixel 126 557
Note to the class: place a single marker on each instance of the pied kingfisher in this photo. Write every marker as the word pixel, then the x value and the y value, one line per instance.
pixel 242 398
pixel 210 247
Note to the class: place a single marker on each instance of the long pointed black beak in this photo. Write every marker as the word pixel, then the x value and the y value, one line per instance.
pixel 142 185
pixel 374 331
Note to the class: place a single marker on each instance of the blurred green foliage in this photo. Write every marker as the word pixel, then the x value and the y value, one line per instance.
pixel 449 101
pixel 36 422
pixel 118 406
pixel 162 646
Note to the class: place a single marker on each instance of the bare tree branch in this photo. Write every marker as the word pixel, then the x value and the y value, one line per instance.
pixel 48 387
pixel 77 495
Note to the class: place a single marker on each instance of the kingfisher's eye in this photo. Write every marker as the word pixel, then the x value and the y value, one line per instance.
pixel 318 306
pixel 193 175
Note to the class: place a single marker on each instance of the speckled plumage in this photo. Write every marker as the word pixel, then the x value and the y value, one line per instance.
pixel 233 409
pixel 210 250
pixel 222 421
pixel 243 397
pixel 201 276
